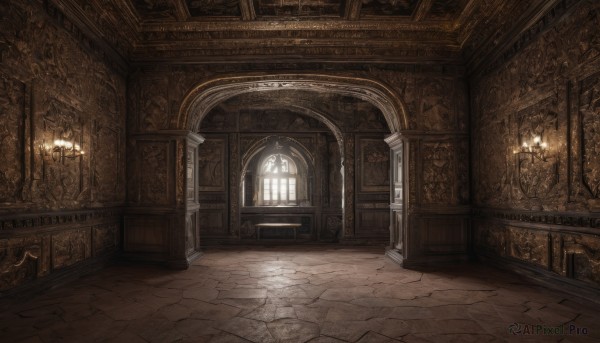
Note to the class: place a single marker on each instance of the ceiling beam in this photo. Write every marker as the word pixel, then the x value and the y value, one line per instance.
pixel 181 10
pixel 247 9
pixel 423 8
pixel 352 9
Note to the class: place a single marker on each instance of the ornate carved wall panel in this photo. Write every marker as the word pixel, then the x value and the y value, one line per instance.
pixel 20 261
pixel 444 176
pixel 527 245
pixel 56 85
pixel 70 247
pixel 146 234
pixel 13 109
pixel 107 179
pixel 105 238
pixel 154 187
pixel 537 178
pixel 589 122
pixel 443 234
pixel 213 222
pixel 153 103
pixel 540 211
pixel 212 164
pixel 59 181
pixel 373 223
pixel 374 167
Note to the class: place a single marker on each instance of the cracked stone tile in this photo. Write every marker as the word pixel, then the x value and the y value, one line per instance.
pixel 293 330
pixel 128 311
pixel 176 312
pixel 466 338
pixel 452 296
pixel 264 313
pixel 245 305
pixel 411 312
pixel 203 310
pixel 348 330
pixel 370 299
pixel 286 312
pixel 243 293
pixel 252 330
pixel 280 282
pixel 347 294
pixel 374 337
pixel 194 328
pixel 378 302
pixel 311 314
pixel 348 312
pixel 203 294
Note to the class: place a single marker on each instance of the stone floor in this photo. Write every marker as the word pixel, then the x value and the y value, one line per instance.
pixel 293 294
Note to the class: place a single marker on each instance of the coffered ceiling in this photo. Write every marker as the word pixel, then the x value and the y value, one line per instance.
pixel 397 31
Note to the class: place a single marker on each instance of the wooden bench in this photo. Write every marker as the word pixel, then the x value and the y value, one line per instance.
pixel 293 226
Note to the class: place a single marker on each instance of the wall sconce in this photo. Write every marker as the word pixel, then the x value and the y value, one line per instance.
pixel 61 150
pixel 537 149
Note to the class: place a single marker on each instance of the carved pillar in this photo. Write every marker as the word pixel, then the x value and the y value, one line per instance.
pixel 435 225
pixel 161 219
pixel 397 216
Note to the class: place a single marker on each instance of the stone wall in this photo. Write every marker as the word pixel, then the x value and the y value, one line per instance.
pixel 541 211
pixel 58 215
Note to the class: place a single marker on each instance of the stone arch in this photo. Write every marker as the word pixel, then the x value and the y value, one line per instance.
pixel 204 96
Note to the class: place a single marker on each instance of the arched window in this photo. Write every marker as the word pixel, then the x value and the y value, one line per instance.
pixel 278 180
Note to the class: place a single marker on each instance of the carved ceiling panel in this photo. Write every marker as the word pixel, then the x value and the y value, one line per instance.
pixel 395 31
pixel 298 8
pixel 388 7
pixel 208 8
pixel 154 9
pixel 446 9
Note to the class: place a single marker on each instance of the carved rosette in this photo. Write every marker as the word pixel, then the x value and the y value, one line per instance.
pixel 537 178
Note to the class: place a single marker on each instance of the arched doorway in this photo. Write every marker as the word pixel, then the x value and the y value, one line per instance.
pixel 203 98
